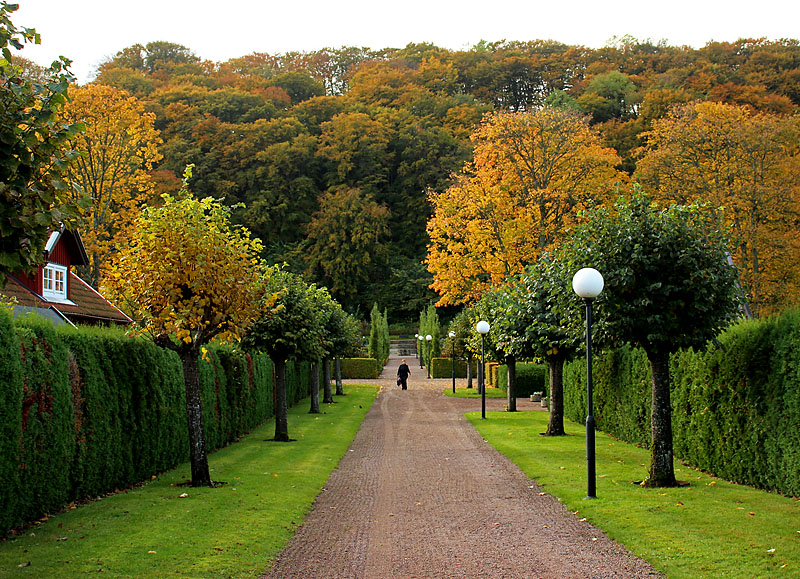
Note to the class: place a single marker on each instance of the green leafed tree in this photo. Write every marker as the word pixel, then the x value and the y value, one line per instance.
pixel 667 286
pixel 291 329
pixel 35 194
pixel 346 245
pixel 540 305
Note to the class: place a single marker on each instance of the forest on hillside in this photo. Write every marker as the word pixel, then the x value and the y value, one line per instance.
pixel 334 153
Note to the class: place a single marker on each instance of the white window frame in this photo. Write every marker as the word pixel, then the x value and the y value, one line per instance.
pixel 54 282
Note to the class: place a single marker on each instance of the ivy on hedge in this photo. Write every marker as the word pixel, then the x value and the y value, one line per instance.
pixel 86 411
pixel 736 404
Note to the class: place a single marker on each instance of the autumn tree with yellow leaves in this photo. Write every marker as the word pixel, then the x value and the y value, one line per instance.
pixel 117 151
pixel 530 175
pixel 747 164
pixel 188 276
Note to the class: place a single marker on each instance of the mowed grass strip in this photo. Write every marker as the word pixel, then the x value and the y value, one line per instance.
pixel 231 531
pixel 709 529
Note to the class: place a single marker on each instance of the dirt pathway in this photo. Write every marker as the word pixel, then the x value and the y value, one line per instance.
pixel 419 494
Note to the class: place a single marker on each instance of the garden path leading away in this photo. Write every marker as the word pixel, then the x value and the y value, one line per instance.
pixel 420 494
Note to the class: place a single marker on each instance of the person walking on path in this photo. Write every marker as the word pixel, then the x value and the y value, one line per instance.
pixel 403 372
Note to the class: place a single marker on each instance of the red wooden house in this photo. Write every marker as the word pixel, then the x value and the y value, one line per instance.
pixel 56 293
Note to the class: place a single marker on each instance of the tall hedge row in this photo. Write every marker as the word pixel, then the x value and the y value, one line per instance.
pixel 736 404
pixel 83 412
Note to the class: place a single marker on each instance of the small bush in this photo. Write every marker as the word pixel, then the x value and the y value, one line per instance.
pixel 443 368
pixel 360 368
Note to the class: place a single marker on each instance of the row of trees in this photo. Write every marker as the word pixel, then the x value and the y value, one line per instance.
pixel 185 272
pixel 668 286
pixel 189 277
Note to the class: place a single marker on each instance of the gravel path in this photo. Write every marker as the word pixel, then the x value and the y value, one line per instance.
pixel 419 494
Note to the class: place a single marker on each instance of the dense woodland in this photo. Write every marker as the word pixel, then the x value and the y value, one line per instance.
pixel 335 153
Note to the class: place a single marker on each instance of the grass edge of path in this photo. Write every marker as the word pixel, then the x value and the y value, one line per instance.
pixel 709 529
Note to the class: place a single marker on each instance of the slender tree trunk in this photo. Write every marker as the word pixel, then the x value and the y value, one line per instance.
pixel 194 419
pixel 556 425
pixel 281 408
pixel 469 371
pixel 339 388
pixel 314 389
pixel 326 382
pixel 662 469
pixel 511 363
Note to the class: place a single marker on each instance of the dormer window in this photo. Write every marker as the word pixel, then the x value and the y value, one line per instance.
pixel 54 283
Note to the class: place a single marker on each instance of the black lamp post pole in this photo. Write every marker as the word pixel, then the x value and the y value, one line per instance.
pixel 453 357
pixel 483 377
pixel 591 492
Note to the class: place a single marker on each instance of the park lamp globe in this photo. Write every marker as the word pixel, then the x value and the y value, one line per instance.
pixel 452 334
pixel 482 327
pixel 587 283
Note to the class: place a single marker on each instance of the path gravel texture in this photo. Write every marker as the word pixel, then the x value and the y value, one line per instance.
pixel 420 494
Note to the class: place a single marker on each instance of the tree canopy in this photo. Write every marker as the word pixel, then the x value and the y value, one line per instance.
pixel 36 193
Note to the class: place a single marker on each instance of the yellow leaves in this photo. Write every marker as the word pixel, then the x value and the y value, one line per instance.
pixel 747 164
pixel 530 174
pixel 189 273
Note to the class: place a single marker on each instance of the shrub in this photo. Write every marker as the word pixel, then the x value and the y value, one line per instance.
pixel 443 368
pixel 364 368
pixel 530 378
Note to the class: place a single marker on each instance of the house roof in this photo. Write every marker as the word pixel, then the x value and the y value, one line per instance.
pixel 87 304
pixel 72 243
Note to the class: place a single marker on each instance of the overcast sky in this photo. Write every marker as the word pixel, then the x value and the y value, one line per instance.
pixel 90 31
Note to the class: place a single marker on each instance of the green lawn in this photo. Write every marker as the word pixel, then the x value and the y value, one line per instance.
pixel 709 529
pixel 230 531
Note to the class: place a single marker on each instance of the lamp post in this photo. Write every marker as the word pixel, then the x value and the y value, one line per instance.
pixel 452 336
pixel 428 338
pixel 588 283
pixel 416 350
pixel 420 338
pixel 483 329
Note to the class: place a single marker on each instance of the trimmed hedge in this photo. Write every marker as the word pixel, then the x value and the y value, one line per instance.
pixel 736 405
pixel 530 378
pixel 86 411
pixel 443 368
pixel 360 368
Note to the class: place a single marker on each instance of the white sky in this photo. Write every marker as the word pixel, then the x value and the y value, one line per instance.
pixel 90 31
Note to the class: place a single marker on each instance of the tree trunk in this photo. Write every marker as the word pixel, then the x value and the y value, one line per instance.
pixel 556 402
pixel 314 389
pixel 511 363
pixel 326 381
pixel 194 419
pixel 662 470
pixel 339 389
pixel 281 408
pixel 469 371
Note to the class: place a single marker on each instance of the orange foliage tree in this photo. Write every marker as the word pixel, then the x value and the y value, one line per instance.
pixel 117 151
pixel 746 163
pixel 531 173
